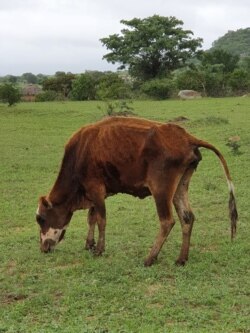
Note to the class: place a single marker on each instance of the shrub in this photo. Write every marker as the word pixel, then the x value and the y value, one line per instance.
pixel 158 88
pixel 9 94
pixel 240 81
pixel 48 96
pixel 112 86
pixel 120 108
pixel 61 83
pixel 216 83
pixel 83 88
pixel 190 79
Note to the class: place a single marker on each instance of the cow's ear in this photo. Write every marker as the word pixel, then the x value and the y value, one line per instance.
pixel 45 202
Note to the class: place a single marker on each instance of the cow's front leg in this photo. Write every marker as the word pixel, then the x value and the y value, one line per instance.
pixel 99 216
pixel 100 248
pixel 92 219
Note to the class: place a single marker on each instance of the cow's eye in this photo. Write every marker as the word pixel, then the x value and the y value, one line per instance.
pixel 40 219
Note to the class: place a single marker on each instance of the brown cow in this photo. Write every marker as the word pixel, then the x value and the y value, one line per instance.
pixel 126 155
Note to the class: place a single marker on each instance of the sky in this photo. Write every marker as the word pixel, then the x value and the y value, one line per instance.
pixel 45 36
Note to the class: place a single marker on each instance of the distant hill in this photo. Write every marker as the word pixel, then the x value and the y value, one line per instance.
pixel 236 42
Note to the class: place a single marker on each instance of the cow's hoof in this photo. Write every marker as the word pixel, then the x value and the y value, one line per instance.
pixel 149 262
pixel 98 252
pixel 90 245
pixel 180 262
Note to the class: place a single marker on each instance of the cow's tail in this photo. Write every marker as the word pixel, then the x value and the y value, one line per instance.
pixel 233 214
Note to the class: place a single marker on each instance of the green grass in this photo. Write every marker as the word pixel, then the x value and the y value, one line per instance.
pixel 69 290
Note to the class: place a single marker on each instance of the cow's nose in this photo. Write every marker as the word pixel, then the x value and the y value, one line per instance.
pixel 47 245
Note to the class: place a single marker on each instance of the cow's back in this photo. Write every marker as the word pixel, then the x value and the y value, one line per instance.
pixel 116 148
pixel 120 140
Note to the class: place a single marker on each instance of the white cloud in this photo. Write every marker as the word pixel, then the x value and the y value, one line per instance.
pixel 50 35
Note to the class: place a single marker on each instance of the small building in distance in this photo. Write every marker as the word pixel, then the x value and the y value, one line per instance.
pixel 30 91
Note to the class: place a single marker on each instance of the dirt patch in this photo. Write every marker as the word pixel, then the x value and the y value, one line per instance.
pixel 11 267
pixel 12 298
pixel 210 248
pixel 155 306
pixel 153 289
pixel 179 119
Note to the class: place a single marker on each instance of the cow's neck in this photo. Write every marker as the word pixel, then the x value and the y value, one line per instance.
pixel 66 187
pixel 62 191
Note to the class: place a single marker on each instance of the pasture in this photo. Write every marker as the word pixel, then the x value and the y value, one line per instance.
pixel 71 291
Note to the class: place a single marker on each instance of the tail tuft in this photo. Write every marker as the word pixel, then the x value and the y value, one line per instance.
pixel 233 214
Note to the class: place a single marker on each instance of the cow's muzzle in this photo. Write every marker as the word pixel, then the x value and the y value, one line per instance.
pixel 48 245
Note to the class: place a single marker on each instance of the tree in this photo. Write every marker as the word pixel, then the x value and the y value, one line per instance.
pixel 244 64
pixel 9 94
pixel 240 81
pixel 84 88
pixel 220 57
pixel 61 83
pixel 215 81
pixel 60 73
pixel 11 78
pixel 192 78
pixel 41 78
pixel 112 86
pixel 151 47
pixel 211 74
pixel 235 42
pixel 29 77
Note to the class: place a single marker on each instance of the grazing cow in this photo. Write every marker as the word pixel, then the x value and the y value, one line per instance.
pixel 126 155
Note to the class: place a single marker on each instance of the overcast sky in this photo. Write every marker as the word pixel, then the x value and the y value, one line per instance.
pixel 45 36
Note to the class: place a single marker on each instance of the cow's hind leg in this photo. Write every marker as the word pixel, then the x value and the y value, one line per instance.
pixel 185 214
pixel 166 224
pixel 163 193
pixel 92 219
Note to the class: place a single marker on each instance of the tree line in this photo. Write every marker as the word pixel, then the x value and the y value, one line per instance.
pixel 236 42
pixel 156 58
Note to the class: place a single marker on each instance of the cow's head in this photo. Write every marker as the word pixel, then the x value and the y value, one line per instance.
pixel 53 221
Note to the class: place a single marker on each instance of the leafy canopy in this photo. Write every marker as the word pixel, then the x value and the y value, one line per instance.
pixel 61 83
pixel 220 57
pixel 9 94
pixel 84 87
pixel 236 42
pixel 151 47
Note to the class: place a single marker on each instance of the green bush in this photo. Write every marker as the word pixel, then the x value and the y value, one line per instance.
pixel 158 88
pixel 215 80
pixel 112 86
pixel 9 94
pixel 120 108
pixel 83 88
pixel 240 81
pixel 61 83
pixel 190 79
pixel 49 96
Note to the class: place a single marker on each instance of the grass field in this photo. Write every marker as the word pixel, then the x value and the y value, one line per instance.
pixel 69 290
